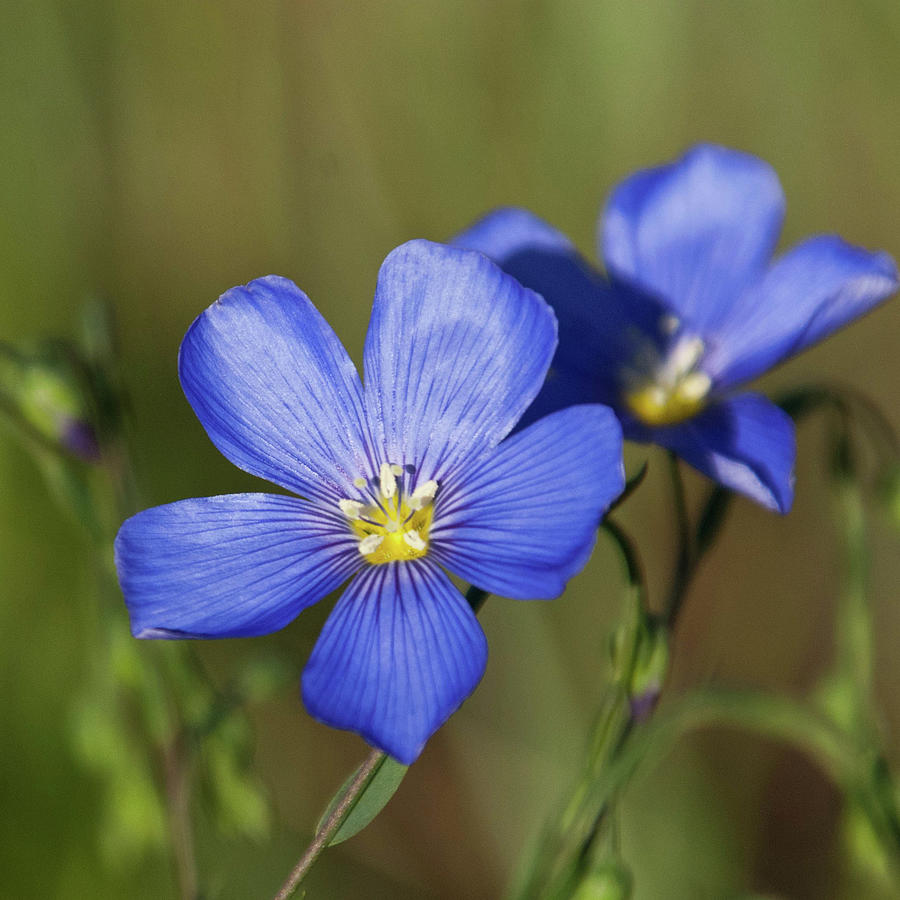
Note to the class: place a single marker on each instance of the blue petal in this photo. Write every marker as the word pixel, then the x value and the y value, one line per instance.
pixel 545 260
pixel 807 294
pixel 746 443
pixel 510 232
pixel 399 653
pixel 694 232
pixel 525 518
pixel 456 351
pixel 275 390
pixel 232 566
pixel 597 325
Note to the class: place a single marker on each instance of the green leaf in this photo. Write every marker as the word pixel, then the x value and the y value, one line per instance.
pixel 381 787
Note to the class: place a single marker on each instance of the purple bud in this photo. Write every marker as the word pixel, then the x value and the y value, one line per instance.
pixel 80 439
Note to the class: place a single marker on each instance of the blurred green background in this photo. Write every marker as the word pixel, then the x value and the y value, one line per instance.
pixel 157 153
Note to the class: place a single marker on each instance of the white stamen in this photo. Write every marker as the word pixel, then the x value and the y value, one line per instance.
pixel 397 470
pixel 695 386
pixel 414 539
pixel 388 481
pixel 668 324
pixel 352 509
pixel 685 355
pixel 423 494
pixel 359 482
pixel 370 543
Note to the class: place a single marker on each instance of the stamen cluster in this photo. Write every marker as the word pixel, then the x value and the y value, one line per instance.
pixel 391 523
pixel 668 388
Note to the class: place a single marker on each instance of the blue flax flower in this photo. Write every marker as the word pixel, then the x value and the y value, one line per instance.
pixel 692 308
pixel 398 479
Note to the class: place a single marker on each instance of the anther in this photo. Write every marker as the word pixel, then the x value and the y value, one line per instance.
pixel 414 539
pixel 388 481
pixel 352 509
pixel 694 386
pixel 370 543
pixel 423 494
pixel 686 355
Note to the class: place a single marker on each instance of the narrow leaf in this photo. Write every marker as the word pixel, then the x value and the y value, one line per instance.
pixel 381 787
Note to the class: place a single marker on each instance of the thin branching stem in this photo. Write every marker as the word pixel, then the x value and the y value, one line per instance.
pixel 684 563
pixel 332 823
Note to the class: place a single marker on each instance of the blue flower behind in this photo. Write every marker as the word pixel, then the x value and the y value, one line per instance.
pixel 399 478
pixel 692 308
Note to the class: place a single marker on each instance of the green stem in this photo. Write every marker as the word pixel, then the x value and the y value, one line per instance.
pixel 685 558
pixel 568 842
pixel 765 714
pixel 692 548
pixel 853 625
pixel 332 824
pixel 178 798
pixel 768 715
pixel 848 688
pixel 849 404
pixel 640 666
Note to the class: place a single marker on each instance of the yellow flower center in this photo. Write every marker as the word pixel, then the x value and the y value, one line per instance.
pixel 392 525
pixel 670 389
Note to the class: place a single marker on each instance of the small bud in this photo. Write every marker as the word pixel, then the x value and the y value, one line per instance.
pixel 43 394
pixel 78 437
pixel 650 669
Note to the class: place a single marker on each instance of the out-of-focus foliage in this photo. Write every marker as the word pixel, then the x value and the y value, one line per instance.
pixel 159 153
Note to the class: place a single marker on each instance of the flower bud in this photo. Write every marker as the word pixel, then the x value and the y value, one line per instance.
pixel 44 396
pixel 650 669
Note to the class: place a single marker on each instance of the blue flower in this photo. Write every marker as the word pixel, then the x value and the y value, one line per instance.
pixel 401 478
pixel 692 308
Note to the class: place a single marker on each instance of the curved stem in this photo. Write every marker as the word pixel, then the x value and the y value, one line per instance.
pixel 769 715
pixel 847 689
pixel 709 524
pixel 634 571
pixel 332 824
pixel 846 402
pixel 853 629
pixel 685 560
pixel 640 663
